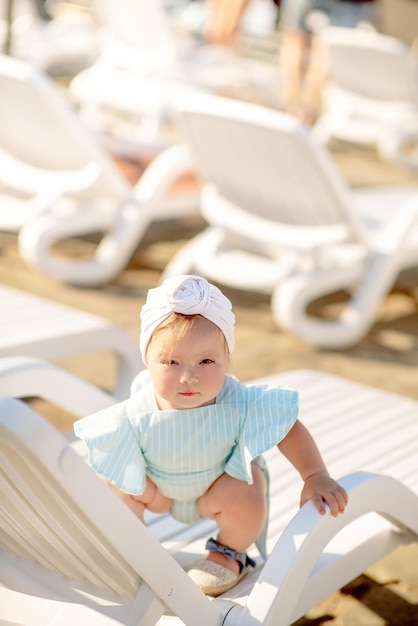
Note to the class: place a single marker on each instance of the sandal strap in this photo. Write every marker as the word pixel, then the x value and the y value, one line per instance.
pixel 242 557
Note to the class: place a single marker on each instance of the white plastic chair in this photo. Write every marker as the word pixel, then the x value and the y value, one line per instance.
pixel 61 41
pixel 57 182
pixel 371 95
pixel 70 551
pixel 283 221
pixel 117 94
pixel 144 66
pixel 32 326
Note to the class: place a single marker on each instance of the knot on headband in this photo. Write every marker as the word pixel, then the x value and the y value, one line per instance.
pixel 187 295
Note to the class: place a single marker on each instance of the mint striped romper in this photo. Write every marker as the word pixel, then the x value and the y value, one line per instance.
pixel 185 451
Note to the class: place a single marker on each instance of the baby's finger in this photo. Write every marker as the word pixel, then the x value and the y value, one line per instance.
pixel 341 497
pixel 333 504
pixel 336 501
pixel 318 501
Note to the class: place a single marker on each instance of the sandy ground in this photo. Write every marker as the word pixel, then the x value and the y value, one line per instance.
pixel 387 594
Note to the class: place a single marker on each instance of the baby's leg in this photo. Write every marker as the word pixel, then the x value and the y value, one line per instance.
pixel 239 510
pixel 151 499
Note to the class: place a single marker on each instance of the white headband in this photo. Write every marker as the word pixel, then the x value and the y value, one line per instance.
pixel 188 295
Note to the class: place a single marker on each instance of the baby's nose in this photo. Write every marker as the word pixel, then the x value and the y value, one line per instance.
pixel 188 376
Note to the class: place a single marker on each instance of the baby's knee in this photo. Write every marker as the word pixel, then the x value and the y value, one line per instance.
pixel 251 499
pixel 230 495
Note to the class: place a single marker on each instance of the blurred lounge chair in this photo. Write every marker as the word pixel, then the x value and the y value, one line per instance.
pixel 118 95
pixel 72 552
pixel 371 95
pixel 145 64
pixel 57 182
pixel 283 221
pixel 32 326
pixel 59 37
pixel 32 378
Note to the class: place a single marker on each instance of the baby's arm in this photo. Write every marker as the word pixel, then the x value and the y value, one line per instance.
pixel 301 450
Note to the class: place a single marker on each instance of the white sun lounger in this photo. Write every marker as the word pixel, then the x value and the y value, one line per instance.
pixel 371 95
pixel 71 552
pixel 36 327
pixel 283 221
pixel 57 182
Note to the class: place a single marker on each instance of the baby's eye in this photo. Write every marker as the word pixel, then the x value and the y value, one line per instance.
pixel 169 362
pixel 207 361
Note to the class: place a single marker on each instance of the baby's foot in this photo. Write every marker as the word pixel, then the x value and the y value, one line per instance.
pixel 220 571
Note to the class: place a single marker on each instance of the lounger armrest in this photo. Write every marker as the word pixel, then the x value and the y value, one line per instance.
pixel 399 145
pixel 19 175
pixel 23 377
pixel 291 565
pixel 160 175
pixel 399 229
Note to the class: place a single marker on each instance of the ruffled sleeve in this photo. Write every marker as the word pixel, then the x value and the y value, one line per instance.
pixel 270 414
pixel 114 447
pixel 142 383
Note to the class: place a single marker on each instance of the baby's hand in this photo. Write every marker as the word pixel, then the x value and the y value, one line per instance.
pixel 322 488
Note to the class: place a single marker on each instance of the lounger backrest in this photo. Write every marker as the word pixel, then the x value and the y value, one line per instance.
pixel 48 528
pixel 56 512
pixel 138 34
pixel 40 129
pixel 371 64
pixel 266 163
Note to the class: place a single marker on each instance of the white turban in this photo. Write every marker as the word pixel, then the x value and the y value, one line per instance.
pixel 188 295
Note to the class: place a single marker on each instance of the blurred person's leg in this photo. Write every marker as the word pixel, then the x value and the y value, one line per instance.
pixel 295 51
pixel 338 13
pixel 304 63
pixel 313 82
pixel 223 21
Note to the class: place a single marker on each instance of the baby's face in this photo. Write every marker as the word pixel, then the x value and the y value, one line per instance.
pixel 193 374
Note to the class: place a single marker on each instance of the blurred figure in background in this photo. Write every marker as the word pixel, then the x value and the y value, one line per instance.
pixel 303 63
pixel 224 19
pixel 227 17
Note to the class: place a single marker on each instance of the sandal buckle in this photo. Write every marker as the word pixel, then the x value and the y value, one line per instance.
pixel 242 557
